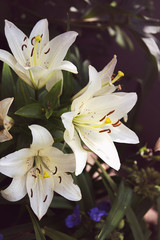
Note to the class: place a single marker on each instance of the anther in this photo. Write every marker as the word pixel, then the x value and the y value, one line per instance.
pixel 47 51
pixel 55 171
pixel 32 51
pixel 102 118
pixel 45 198
pixel 24 45
pixel 110 112
pixel 38 170
pixel 24 38
pixel 41 35
pixel 116 124
pixel 105 130
pixel 60 179
pixel 34 176
pixel 32 41
pixel 31 193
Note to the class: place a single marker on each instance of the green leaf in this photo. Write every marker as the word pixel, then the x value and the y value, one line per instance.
pixel 134 225
pixel 117 211
pixel 56 235
pixel 38 232
pixel 51 100
pixel 60 202
pixel 8 84
pixel 24 93
pixel 32 110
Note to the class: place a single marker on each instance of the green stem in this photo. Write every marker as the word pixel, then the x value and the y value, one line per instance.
pixel 108 178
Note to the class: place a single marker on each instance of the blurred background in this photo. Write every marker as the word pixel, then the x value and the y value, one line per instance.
pixel 129 29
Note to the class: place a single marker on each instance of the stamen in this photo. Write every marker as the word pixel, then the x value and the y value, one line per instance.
pixel 60 179
pixel 45 198
pixel 105 130
pixel 31 193
pixel 102 118
pixel 116 124
pixel 34 176
pixel 55 171
pixel 41 35
pixel 119 75
pixel 32 41
pixel 47 51
pixel 24 45
pixel 38 170
pixel 110 112
pixel 24 38
pixel 32 51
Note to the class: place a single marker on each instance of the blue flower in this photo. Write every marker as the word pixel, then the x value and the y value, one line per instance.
pixel 96 214
pixel 74 219
pixel 1 236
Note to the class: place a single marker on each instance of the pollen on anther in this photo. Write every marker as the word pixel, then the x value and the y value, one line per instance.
pixel 105 130
pixel 45 198
pixel 102 118
pixel 31 193
pixel 55 171
pixel 24 38
pixel 47 51
pixel 60 179
pixel 110 112
pixel 24 45
pixel 32 51
pixel 32 41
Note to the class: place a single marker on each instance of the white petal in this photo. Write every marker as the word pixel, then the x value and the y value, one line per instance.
pixel 17 163
pixel 58 48
pixel 56 76
pixel 40 192
pixel 57 161
pixel 16 190
pixel 65 187
pixel 107 72
pixel 102 145
pixel 23 73
pixel 15 38
pixel 68 66
pixel 93 86
pixel 41 28
pixel 67 119
pixel 5 135
pixel 80 153
pixel 8 58
pixel 123 134
pixel 4 107
pixel 41 137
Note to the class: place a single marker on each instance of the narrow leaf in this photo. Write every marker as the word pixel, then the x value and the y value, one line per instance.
pixel 117 211
pixel 32 110
pixel 8 84
pixel 56 235
pixel 38 232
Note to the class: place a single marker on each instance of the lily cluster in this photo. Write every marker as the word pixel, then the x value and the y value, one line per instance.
pixel 94 119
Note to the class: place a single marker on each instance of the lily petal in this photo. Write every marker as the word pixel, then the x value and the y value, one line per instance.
pixel 68 66
pixel 40 191
pixel 80 153
pixel 8 58
pixel 17 163
pixel 41 137
pixel 65 187
pixel 15 38
pixel 41 28
pixel 5 135
pixel 4 107
pixel 16 190
pixel 58 48
pixel 102 145
pixel 67 122
pixel 123 134
pixel 56 76
pixel 57 161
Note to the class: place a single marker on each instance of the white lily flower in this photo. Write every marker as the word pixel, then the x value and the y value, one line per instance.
pixel 39 171
pixel 35 59
pixel 96 121
pixel 6 122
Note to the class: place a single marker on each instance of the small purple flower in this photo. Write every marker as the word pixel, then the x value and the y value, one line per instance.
pixel 104 205
pixel 74 219
pixel 96 214
pixel 1 236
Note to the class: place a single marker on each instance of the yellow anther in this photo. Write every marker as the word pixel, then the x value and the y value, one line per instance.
pixel 120 74
pixel 46 175
pixel 108 120
pixel 38 38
